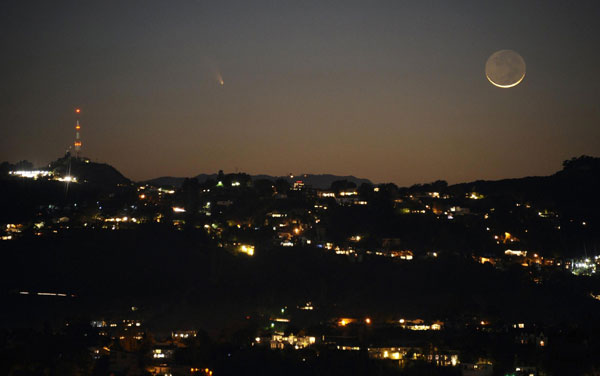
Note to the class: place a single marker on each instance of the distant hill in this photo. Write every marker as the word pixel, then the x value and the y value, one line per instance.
pixel 87 171
pixel 321 181
pixel 574 185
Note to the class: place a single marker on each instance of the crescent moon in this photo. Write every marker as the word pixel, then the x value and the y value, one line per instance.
pixel 505 69
pixel 505 86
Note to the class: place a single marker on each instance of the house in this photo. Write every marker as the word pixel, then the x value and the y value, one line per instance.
pixel 280 341
pixel 476 369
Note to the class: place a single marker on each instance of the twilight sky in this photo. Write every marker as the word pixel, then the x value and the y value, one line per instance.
pixel 385 90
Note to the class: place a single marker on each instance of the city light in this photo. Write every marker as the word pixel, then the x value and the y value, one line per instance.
pixel 68 179
pixel 31 174
pixel 247 249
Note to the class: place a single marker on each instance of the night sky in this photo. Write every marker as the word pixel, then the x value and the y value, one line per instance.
pixel 390 91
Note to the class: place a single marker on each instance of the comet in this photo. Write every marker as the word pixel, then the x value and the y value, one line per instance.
pixel 213 70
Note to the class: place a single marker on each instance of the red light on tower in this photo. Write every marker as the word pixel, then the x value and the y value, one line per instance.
pixel 77 110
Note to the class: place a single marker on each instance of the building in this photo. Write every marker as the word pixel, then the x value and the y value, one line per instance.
pixel 281 341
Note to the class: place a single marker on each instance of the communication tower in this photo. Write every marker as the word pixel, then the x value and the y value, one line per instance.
pixel 77 143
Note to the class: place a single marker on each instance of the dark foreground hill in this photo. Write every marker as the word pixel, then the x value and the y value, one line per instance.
pixel 176 277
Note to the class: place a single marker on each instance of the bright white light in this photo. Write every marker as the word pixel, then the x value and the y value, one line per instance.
pixel 30 174
pixel 68 179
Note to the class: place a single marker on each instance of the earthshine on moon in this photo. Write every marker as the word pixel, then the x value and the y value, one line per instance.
pixel 505 69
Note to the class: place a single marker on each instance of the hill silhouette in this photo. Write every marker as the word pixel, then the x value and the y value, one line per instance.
pixel 87 171
pixel 320 181
pixel 572 190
